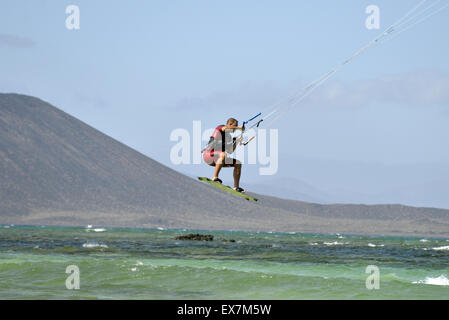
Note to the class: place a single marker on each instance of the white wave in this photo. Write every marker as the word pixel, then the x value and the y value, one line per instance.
pixel 424 240
pixel 89 226
pixel 89 229
pixel 160 228
pixel 94 245
pixel 335 243
pixel 372 245
pixel 441 248
pixel 438 281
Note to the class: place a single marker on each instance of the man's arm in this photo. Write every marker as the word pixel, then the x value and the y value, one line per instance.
pixel 224 128
pixel 235 141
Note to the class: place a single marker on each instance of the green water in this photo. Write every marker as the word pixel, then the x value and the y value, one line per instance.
pixel 150 264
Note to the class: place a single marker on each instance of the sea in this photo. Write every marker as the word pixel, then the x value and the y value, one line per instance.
pixel 94 262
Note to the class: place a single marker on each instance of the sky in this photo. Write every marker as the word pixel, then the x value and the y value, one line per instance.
pixel 138 70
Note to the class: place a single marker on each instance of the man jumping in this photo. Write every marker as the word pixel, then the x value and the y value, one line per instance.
pixel 221 143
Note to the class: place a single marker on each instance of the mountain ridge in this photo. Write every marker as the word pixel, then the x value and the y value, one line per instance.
pixel 57 170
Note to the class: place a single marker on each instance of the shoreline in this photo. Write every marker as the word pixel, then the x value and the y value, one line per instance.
pixel 190 230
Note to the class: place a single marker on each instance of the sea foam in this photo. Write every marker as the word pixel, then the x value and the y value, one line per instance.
pixel 333 243
pixel 94 245
pixel 441 248
pixel 372 245
pixel 438 281
pixel 89 228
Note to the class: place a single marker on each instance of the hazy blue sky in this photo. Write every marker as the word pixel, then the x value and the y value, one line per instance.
pixel 136 70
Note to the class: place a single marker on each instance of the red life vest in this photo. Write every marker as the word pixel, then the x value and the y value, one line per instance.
pixel 218 137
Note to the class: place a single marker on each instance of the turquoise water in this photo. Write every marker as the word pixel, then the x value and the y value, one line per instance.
pixel 118 263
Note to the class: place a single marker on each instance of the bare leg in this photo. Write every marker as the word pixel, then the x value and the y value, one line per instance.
pixel 237 172
pixel 219 165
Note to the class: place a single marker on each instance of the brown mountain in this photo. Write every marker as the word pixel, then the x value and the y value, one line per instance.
pixel 57 170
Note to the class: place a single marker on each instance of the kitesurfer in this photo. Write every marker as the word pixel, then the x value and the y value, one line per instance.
pixel 220 144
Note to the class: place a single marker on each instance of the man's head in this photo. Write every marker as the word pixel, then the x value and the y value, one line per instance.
pixel 232 123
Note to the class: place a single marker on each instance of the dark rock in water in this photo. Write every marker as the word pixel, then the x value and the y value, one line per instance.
pixel 228 240
pixel 196 236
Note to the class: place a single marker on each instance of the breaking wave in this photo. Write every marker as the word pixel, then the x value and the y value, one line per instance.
pixel 438 281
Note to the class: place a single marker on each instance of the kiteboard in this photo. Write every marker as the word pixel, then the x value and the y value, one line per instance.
pixel 226 188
